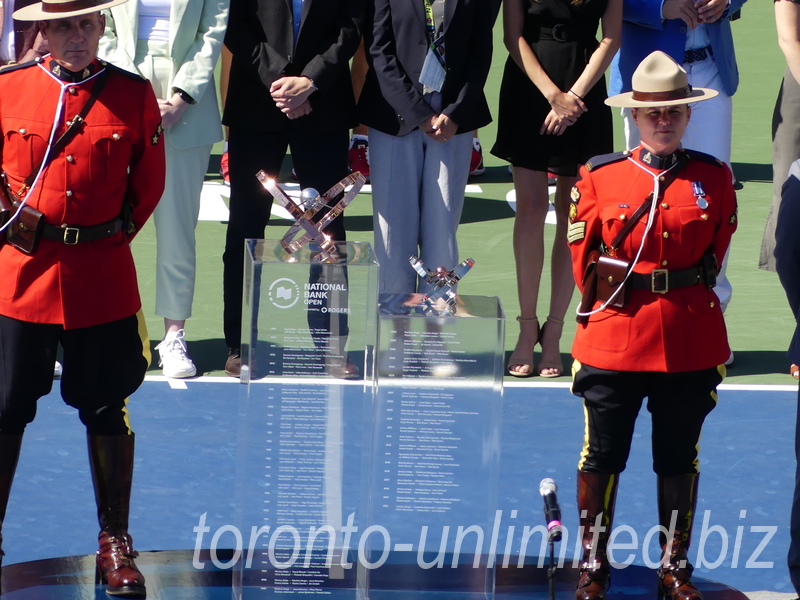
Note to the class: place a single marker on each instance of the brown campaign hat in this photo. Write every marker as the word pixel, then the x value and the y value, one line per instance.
pixel 62 9
pixel 660 81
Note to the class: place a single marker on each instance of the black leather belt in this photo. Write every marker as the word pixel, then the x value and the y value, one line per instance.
pixel 74 235
pixel 560 32
pixel 660 281
pixel 698 55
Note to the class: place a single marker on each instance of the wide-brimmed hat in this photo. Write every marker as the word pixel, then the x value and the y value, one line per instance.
pixel 660 81
pixel 62 9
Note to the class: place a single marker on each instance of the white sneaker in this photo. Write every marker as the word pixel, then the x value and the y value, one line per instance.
pixel 58 370
pixel 173 357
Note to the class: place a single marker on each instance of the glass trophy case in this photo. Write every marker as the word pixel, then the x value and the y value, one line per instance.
pixel 435 446
pixel 305 419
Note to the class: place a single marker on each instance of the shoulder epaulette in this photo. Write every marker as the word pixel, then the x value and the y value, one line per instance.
pixel 606 159
pixel 121 71
pixel 706 158
pixel 19 66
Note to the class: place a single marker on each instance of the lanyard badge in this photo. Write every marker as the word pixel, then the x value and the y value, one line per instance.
pixel 433 69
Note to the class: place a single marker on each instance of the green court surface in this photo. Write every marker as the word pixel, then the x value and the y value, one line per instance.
pixel 759 321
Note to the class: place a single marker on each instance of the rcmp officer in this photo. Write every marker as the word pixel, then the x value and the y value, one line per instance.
pixel 84 169
pixel 647 229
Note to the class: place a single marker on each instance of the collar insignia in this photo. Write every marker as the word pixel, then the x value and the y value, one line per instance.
pixel 68 76
pixel 659 162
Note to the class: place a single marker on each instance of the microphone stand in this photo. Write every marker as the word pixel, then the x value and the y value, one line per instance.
pixel 552 537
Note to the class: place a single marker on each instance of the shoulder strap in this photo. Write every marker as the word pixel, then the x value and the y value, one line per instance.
pixel 72 130
pixel 683 160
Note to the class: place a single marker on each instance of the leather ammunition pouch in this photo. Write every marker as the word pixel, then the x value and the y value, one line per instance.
pixel 611 273
pixel 26 230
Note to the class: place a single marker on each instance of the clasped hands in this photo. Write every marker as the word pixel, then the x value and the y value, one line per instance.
pixel 171 110
pixel 565 108
pixel 291 95
pixel 694 13
pixel 439 127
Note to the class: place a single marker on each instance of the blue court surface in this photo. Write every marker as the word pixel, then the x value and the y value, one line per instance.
pixel 186 465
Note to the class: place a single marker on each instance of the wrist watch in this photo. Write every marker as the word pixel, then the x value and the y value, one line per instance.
pixel 184 96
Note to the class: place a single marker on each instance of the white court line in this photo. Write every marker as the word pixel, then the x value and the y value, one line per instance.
pixel 214 195
pixel 177 384
pixel 181 383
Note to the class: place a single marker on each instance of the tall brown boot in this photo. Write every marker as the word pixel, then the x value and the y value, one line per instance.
pixel 111 459
pixel 597 494
pixel 9 455
pixel 678 494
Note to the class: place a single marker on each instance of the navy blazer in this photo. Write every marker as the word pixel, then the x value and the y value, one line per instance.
pixel 261 38
pixel 787 250
pixel 397 43
pixel 644 32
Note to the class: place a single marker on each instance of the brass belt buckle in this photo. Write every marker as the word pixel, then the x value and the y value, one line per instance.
pixel 659 281
pixel 71 235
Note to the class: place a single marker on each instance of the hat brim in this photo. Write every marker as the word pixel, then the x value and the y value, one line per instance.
pixel 626 100
pixel 34 12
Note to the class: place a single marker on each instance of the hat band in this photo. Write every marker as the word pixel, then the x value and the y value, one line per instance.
pixel 62 7
pixel 679 94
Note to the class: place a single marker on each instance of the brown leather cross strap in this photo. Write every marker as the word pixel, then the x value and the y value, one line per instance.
pixel 671 176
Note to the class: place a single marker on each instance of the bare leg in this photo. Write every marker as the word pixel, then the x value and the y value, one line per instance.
pixel 173 325
pixel 561 283
pixel 532 207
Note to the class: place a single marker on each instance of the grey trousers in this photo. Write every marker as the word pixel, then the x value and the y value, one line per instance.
pixel 417 196
pixel 785 150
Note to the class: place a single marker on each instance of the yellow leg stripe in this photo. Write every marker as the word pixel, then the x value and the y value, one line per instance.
pixel 723 371
pixel 576 366
pixel 585 450
pixel 127 417
pixel 144 337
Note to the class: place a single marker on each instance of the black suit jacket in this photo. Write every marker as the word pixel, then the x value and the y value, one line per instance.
pixel 261 38
pixel 397 43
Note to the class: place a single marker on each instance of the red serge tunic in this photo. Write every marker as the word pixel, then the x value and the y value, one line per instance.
pixel 682 329
pixel 116 155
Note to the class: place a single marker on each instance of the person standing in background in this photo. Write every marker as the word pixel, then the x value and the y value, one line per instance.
pixel 175 44
pixel 785 120
pixel 289 87
pixel 20 41
pixel 421 106
pixel 551 118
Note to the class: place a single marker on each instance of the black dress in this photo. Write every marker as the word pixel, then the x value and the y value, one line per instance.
pixel 563 37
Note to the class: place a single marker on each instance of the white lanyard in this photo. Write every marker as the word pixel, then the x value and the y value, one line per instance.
pixel 56 121
pixel 650 219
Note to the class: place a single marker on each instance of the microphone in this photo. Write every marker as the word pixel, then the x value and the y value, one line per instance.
pixel 552 513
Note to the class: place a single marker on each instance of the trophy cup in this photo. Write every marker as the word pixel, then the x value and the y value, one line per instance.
pixel 442 281
pixel 305 212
